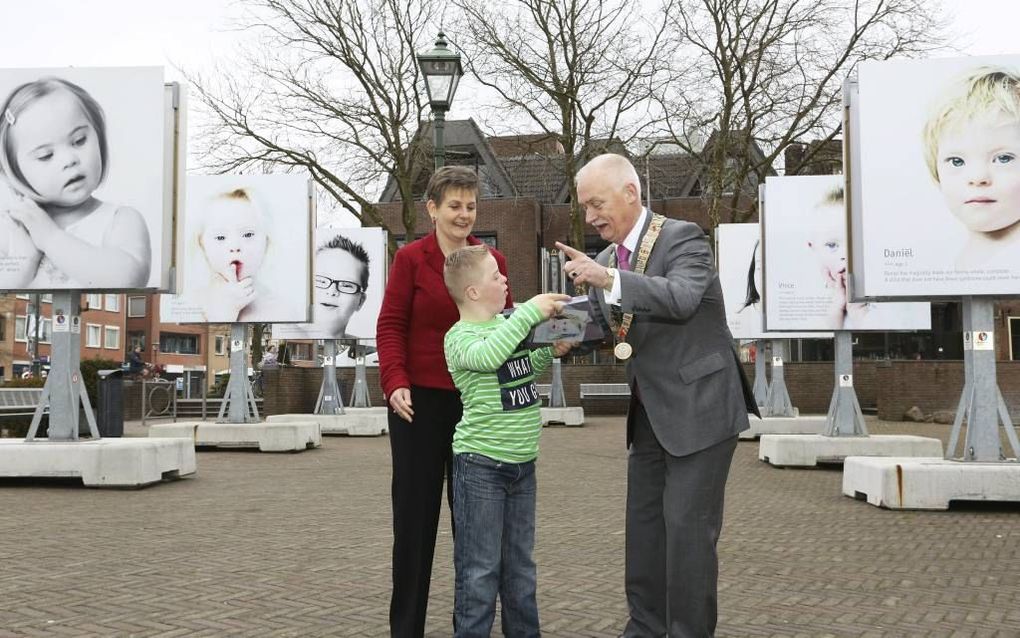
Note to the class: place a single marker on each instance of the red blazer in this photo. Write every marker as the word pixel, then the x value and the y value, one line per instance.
pixel 416 313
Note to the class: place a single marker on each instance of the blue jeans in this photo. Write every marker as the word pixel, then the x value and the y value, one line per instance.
pixel 494 514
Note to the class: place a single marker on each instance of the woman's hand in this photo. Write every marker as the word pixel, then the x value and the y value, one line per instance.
pixel 400 401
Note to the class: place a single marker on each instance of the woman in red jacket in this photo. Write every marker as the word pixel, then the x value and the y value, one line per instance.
pixel 425 407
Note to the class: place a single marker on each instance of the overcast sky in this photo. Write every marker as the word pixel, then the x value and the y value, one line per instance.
pixel 40 33
pixel 190 33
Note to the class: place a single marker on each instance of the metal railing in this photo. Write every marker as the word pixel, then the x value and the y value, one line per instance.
pixel 159 400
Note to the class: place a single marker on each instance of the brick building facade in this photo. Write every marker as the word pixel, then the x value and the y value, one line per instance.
pixel 193 352
pixel 103 331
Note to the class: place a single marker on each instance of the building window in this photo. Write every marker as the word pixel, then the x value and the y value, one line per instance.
pixel 95 302
pixel 111 340
pixel 136 306
pixel 21 328
pixel 1014 338
pixel 93 335
pixel 45 329
pixel 47 298
pixel 3 328
pixel 489 239
pixel 221 345
pixel 136 340
pixel 113 303
pixel 300 351
pixel 170 343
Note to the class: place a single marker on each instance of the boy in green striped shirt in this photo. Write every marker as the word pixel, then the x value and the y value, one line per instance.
pixel 495 445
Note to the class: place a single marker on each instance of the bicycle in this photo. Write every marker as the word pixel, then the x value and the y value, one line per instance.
pixel 257 384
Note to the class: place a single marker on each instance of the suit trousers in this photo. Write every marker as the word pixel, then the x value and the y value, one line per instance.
pixel 674 518
pixel 422 459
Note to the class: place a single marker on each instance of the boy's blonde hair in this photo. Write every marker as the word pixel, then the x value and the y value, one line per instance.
pixel 462 269
pixel 983 90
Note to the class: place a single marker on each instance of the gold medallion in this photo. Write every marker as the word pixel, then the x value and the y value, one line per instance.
pixel 623 350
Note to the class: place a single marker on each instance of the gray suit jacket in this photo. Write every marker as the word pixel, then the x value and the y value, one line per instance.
pixel 684 364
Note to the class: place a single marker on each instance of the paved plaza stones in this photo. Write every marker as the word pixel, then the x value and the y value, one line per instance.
pixel 298 545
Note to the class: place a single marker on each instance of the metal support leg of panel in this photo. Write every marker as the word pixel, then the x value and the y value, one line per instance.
pixel 557 397
pixel 981 403
pixel 329 401
pixel 761 384
pixel 777 402
pixel 239 401
pixel 64 389
pixel 844 417
pixel 359 396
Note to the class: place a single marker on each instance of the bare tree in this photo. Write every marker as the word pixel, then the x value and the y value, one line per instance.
pixel 754 76
pixel 581 70
pixel 330 87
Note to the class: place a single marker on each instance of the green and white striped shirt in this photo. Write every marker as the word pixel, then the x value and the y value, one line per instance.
pixel 496 379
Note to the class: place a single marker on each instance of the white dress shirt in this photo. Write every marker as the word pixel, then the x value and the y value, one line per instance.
pixel 630 243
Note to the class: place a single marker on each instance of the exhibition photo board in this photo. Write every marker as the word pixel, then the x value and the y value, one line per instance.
pixel 245 250
pixel 349 279
pixel 738 248
pixel 86 160
pixel 804 230
pixel 934 156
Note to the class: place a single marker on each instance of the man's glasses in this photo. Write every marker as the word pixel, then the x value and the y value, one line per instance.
pixel 341 285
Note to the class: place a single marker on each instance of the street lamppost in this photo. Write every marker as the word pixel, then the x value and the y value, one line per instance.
pixel 442 70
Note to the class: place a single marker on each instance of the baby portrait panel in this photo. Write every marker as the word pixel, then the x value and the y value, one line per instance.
pixel 936 156
pixel 805 238
pixel 245 249
pixel 738 247
pixel 81 179
pixel 349 277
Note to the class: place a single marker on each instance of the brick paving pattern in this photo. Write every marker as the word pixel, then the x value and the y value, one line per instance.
pixel 298 545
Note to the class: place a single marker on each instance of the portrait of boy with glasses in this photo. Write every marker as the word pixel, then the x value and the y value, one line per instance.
pixel 340 276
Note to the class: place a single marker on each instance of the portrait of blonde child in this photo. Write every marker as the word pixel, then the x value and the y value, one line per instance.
pixel 827 242
pixel 232 238
pixel 972 150
pixel 54 232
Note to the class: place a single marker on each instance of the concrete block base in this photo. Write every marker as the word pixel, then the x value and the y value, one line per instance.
pixel 928 484
pixel 267 437
pixel 354 421
pixel 783 425
pixel 572 417
pixel 114 462
pixel 808 450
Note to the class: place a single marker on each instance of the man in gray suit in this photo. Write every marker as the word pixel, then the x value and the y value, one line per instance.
pixel 689 396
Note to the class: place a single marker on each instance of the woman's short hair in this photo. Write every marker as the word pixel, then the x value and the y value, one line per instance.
pixel 450 178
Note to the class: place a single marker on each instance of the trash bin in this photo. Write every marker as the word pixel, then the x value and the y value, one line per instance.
pixel 110 417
